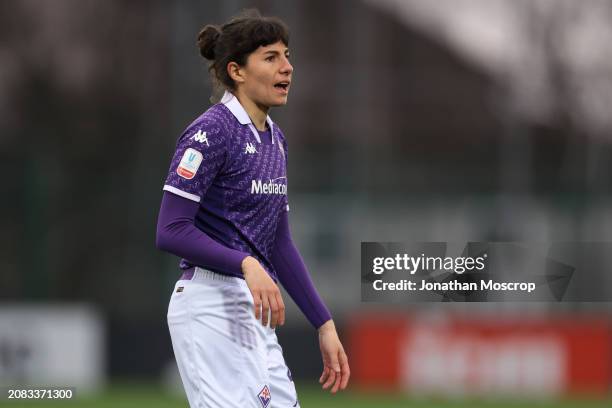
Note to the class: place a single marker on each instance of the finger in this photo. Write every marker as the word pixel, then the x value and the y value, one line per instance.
pixel 281 308
pixel 346 371
pixel 274 309
pixel 330 379
pixel 257 305
pixel 324 375
pixel 337 383
pixel 336 367
pixel 265 310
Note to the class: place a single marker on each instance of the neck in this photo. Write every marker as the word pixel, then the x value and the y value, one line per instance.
pixel 256 112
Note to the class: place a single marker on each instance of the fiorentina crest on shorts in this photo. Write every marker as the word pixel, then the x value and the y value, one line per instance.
pixel 264 396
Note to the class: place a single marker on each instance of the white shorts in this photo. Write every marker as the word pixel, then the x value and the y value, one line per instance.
pixel 225 357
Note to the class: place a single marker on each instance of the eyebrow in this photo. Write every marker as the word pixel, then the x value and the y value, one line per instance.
pixel 276 52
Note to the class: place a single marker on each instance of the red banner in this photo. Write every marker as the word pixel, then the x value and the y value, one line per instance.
pixel 439 354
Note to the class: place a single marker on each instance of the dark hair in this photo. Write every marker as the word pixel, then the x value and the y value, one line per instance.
pixel 236 39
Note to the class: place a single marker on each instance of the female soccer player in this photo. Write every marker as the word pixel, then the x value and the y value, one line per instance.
pixel 224 212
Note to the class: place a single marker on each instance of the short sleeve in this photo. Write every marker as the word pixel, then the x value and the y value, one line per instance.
pixel 200 154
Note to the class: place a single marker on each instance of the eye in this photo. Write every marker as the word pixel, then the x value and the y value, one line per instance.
pixel 270 58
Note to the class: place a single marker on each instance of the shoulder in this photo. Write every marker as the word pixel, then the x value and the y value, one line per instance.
pixel 214 120
pixel 211 127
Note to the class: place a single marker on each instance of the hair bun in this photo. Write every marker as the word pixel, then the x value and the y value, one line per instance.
pixel 207 40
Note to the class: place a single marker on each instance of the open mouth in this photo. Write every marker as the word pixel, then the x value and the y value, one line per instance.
pixel 282 85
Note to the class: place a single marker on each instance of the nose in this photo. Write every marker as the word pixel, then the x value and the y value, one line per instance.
pixel 286 68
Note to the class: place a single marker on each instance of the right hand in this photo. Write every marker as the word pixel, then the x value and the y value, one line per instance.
pixel 266 294
pixel 336 369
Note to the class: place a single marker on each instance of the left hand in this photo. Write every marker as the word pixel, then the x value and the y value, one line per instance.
pixel 336 369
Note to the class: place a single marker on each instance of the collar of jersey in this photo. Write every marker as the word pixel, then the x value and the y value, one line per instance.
pixel 233 104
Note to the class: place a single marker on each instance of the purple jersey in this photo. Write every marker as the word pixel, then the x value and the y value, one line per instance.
pixel 239 180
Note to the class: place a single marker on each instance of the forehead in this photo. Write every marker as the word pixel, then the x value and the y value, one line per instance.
pixel 278 46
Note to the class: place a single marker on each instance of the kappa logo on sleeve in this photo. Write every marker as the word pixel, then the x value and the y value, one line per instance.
pixel 264 396
pixel 200 137
pixel 189 164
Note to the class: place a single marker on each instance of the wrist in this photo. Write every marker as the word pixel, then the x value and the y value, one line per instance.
pixel 328 326
pixel 247 264
pixel 247 261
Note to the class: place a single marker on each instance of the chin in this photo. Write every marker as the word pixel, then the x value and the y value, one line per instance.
pixel 276 104
pixel 280 102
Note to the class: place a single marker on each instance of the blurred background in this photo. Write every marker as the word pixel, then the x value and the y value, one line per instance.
pixel 408 120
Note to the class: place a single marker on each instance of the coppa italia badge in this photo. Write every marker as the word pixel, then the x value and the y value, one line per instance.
pixel 189 164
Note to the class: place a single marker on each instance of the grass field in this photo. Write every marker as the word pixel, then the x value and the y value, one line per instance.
pixel 134 396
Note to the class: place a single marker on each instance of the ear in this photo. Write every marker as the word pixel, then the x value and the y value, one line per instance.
pixel 235 72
